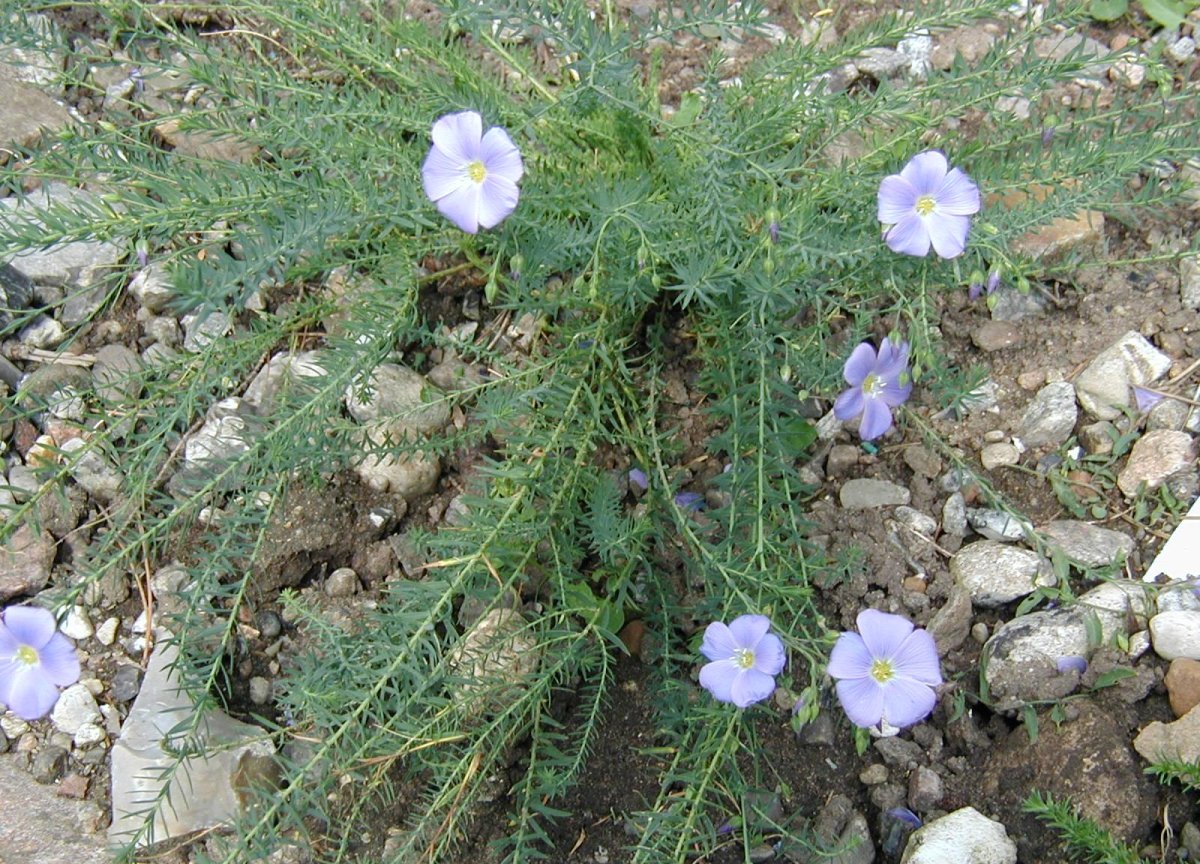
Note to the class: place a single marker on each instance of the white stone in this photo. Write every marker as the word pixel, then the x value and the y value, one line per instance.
pixel 1104 387
pixel 43 333
pixel 106 633
pixel 77 625
pixel 75 706
pixel 996 574
pixel 203 328
pixel 396 393
pixel 89 734
pixel 965 836
pixel 1176 634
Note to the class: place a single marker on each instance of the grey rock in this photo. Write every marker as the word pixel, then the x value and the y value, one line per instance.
pixel 228 432
pixel 865 493
pixel 76 624
pixel 971 43
pixel 342 582
pixel 206 790
pixel 898 752
pixel 115 374
pixel 1189 282
pixel 25 561
pixel 1168 414
pixel 999 454
pixel 204 327
pixel 77 264
pixel 269 624
pixel 1009 304
pixel 26 113
pixel 916 48
pixel 493 658
pixel 1097 438
pixel 152 287
pixel 260 690
pixel 839 825
pixel 1104 387
pixel 965 836
pixel 126 682
pixel 1090 545
pixel 1171 741
pixel 398 395
pixel 1178 595
pixel 16 290
pixel 75 706
pixel 925 789
pixel 1070 44
pixel 996 574
pixel 995 336
pixel 842 457
pixel 162 329
pixel 1021 658
pixel 49 763
pixel 91 470
pixel 453 374
pixel 1087 760
pixel 43 333
pixel 408 474
pixel 1182 49
pixel 106 633
pixel 995 524
pixel 1050 417
pixel 954 515
pixel 81 305
pixel 283 373
pixel 1176 634
pixel 89 735
pixel 1155 457
pixel 881 63
pixel 42 828
pixel 950 625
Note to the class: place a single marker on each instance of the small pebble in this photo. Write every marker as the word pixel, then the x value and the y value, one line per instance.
pixel 269 624
pixel 106 633
pixel 76 625
pixel 260 690
pixel 979 632
pixel 49 763
pixel 342 582
pixel 126 682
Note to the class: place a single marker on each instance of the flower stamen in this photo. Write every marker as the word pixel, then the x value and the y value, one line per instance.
pixel 27 655
pixel 882 671
pixel 925 205
pixel 744 658
pixel 477 171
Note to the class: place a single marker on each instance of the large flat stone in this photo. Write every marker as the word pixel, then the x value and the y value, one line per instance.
pixel 38 827
pixel 26 113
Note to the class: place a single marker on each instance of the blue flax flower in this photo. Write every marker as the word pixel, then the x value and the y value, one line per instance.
pixel 35 660
pixel 745 660
pixel 928 203
pixel 472 175
pixel 878 383
pixel 886 671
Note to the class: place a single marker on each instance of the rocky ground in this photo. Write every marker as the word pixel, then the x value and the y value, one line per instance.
pixel 1055 473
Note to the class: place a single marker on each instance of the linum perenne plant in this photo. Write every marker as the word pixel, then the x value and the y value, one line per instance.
pixel 725 231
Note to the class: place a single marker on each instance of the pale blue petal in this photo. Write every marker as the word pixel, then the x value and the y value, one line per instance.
pixel 497 199
pixel 458 136
pixel 897 199
pixel 769 655
pixel 859 364
pixel 958 195
pixel 747 630
pixel 442 176
pixel 907 702
pixel 718 677
pixel 719 643
pixel 30 694
pixel 862 700
pixel 751 686
pixel 58 661
pixel 909 236
pixel 948 234
pixel 876 419
pixel 926 171
pixel 8 643
pixel 894 394
pixel 500 156
pixel 848 404
pixel 883 632
pixel 850 657
pixel 30 625
pixel 462 207
pixel 917 658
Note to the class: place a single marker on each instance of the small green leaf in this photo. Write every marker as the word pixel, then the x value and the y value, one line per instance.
pixel 1112 676
pixel 1166 12
pixel 1108 10
pixel 1029 715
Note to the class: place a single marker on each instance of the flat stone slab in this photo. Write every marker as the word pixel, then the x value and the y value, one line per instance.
pixel 39 827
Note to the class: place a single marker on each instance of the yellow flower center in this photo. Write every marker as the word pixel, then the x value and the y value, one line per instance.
pixel 882 671
pixel 476 171
pixel 925 205
pixel 872 384
pixel 27 655
pixel 744 658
